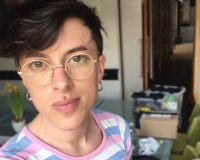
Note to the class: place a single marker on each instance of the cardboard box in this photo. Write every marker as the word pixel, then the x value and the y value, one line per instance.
pixel 157 125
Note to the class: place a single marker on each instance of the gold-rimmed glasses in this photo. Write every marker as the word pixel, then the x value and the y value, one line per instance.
pixel 38 72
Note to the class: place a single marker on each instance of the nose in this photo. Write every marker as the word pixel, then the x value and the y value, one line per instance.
pixel 60 79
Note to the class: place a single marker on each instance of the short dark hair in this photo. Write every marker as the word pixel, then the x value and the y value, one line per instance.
pixel 34 25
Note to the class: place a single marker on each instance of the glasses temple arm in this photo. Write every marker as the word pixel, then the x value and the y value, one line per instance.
pixel 97 60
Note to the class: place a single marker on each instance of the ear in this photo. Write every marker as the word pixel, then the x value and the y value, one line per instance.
pixel 102 61
pixel 19 69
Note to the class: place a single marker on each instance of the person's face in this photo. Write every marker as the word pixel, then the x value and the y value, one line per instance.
pixel 69 113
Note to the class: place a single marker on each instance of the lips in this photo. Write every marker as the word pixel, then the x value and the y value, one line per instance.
pixel 67 105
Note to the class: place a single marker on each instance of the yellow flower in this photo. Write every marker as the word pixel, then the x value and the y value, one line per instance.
pixel 9 85
pixel 15 87
pixel 9 90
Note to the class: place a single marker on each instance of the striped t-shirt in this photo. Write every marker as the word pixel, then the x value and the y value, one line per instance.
pixel 116 144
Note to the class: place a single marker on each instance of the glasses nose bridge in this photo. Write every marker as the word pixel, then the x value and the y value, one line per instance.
pixel 59 66
pixel 52 70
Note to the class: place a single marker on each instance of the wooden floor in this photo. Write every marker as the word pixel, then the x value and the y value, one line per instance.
pixel 182 51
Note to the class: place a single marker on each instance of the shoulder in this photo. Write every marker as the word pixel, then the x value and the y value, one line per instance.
pixel 116 129
pixel 15 145
pixel 104 114
pixel 109 118
pixel 112 124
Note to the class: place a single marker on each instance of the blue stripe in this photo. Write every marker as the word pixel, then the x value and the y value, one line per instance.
pixel 14 147
pixel 53 157
pixel 126 135
pixel 128 152
pixel 97 111
pixel 117 156
pixel 112 130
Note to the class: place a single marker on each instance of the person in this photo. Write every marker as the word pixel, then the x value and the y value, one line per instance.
pixel 57 46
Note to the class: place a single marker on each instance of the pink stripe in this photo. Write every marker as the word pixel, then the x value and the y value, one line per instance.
pixel 14 157
pixel 112 140
pixel 42 144
pixel 128 142
pixel 30 150
pixel 131 150
pixel 104 116
pixel 1 154
pixel 125 158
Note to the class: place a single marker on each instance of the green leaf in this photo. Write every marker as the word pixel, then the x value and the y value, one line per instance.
pixel 16 103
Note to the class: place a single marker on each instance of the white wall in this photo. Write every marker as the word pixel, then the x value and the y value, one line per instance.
pixel 107 10
pixel 132 44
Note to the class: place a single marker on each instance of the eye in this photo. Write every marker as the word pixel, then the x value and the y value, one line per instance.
pixel 76 58
pixel 38 64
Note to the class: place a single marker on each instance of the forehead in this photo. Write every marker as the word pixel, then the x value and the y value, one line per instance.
pixel 73 34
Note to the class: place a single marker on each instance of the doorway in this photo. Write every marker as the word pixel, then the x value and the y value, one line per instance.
pixel 170 46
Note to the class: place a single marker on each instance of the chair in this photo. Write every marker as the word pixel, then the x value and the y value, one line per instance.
pixel 195 112
pixel 197 149
pixel 192 136
pixel 189 153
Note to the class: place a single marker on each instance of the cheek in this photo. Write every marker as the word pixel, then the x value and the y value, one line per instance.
pixel 89 86
pixel 38 95
pixel 91 93
pixel 94 80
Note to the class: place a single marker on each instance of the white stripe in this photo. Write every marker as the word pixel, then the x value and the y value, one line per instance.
pixel 122 126
pixel 129 144
pixel 108 123
pixel 109 152
pixel 40 155
pixel 21 135
pixel 2 158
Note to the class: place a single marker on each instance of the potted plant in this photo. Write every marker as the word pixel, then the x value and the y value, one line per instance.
pixel 15 100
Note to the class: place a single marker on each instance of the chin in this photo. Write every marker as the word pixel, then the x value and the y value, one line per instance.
pixel 68 126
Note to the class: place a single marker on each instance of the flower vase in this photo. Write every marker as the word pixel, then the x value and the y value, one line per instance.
pixel 17 126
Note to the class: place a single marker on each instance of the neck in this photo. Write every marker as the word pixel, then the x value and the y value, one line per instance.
pixel 72 141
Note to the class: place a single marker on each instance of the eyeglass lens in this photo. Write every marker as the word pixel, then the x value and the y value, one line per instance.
pixel 39 73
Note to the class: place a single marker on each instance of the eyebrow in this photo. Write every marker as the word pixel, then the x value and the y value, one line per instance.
pixel 73 50
pixel 35 54
pixel 76 49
